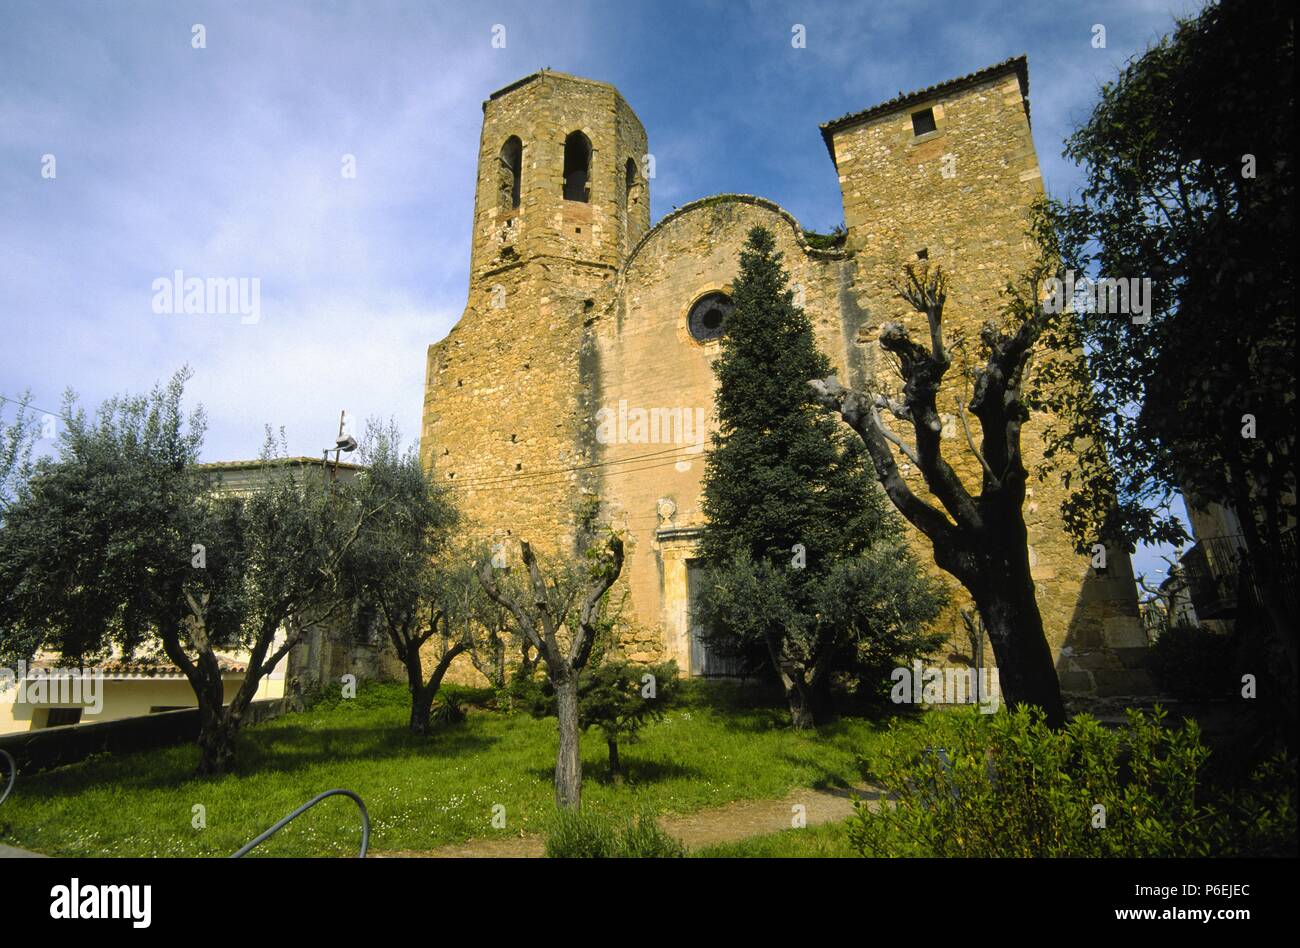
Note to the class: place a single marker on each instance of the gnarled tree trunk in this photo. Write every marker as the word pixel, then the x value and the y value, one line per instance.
pixel 424 691
pixel 981 540
pixel 539 622
pixel 568 762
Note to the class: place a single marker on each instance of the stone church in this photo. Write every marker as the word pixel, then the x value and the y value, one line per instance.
pixel 582 364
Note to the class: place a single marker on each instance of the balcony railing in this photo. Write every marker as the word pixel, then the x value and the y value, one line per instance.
pixel 1218 573
pixel 1213 571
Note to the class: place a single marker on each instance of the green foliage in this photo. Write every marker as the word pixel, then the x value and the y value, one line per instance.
pixel 619 698
pixel 613 697
pixel 582 834
pixel 96 547
pixel 806 565
pixel 1193 663
pixel 1170 196
pixel 881 604
pixel 17 439
pixel 1006 785
pixel 1257 818
pixel 450 710
pixel 394 567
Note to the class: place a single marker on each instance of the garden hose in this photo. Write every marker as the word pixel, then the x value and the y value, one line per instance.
pixel 365 822
pixel 13 773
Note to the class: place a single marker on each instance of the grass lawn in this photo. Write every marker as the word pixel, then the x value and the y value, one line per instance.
pixel 722 745
pixel 829 840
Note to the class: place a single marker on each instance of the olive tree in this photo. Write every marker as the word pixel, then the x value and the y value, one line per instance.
pixel 560 617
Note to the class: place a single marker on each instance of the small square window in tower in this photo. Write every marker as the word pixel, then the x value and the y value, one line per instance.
pixel 577 167
pixel 923 122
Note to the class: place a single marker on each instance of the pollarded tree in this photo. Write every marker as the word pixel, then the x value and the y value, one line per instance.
pixel 615 696
pixel 561 617
pixel 981 540
pixel 789 501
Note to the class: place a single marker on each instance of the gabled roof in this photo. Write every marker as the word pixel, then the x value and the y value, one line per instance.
pixel 1017 64
pixel 142 666
pixel 552 74
pixel 275 462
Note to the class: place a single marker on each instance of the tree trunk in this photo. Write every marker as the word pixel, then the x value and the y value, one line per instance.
pixel 799 696
pixel 822 702
pixel 216 743
pixel 421 695
pixel 568 763
pixel 1014 628
pixel 421 711
pixel 218 725
pixel 615 767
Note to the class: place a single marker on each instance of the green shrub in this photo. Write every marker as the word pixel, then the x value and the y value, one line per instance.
pixel 1193 663
pixel 1007 785
pixel 613 698
pixel 370 696
pixel 485 697
pixel 582 834
pixel 450 710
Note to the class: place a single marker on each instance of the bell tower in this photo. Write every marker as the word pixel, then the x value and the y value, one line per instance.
pixel 560 201
pixel 559 174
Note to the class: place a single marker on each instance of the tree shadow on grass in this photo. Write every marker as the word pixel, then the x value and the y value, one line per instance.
pixel 825 778
pixel 287 750
pixel 635 772
pixel 301 749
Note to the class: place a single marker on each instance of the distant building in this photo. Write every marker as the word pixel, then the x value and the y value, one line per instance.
pixel 1219 584
pixel 111 690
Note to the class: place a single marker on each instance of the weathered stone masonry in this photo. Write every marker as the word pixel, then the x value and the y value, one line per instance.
pixel 578 305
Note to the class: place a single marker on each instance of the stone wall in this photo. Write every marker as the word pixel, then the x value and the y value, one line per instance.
pixel 327 653
pixel 650 363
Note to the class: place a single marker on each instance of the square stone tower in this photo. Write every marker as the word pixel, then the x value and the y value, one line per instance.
pixel 947 175
pixel 559 202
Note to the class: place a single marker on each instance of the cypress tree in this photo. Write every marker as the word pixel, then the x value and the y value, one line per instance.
pixel 787 495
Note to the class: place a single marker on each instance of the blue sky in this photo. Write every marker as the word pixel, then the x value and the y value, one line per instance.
pixel 226 161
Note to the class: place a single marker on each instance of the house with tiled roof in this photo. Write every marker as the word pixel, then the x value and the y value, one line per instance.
pixel 46 693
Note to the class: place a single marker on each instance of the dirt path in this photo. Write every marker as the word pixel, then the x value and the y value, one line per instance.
pixel 724 824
